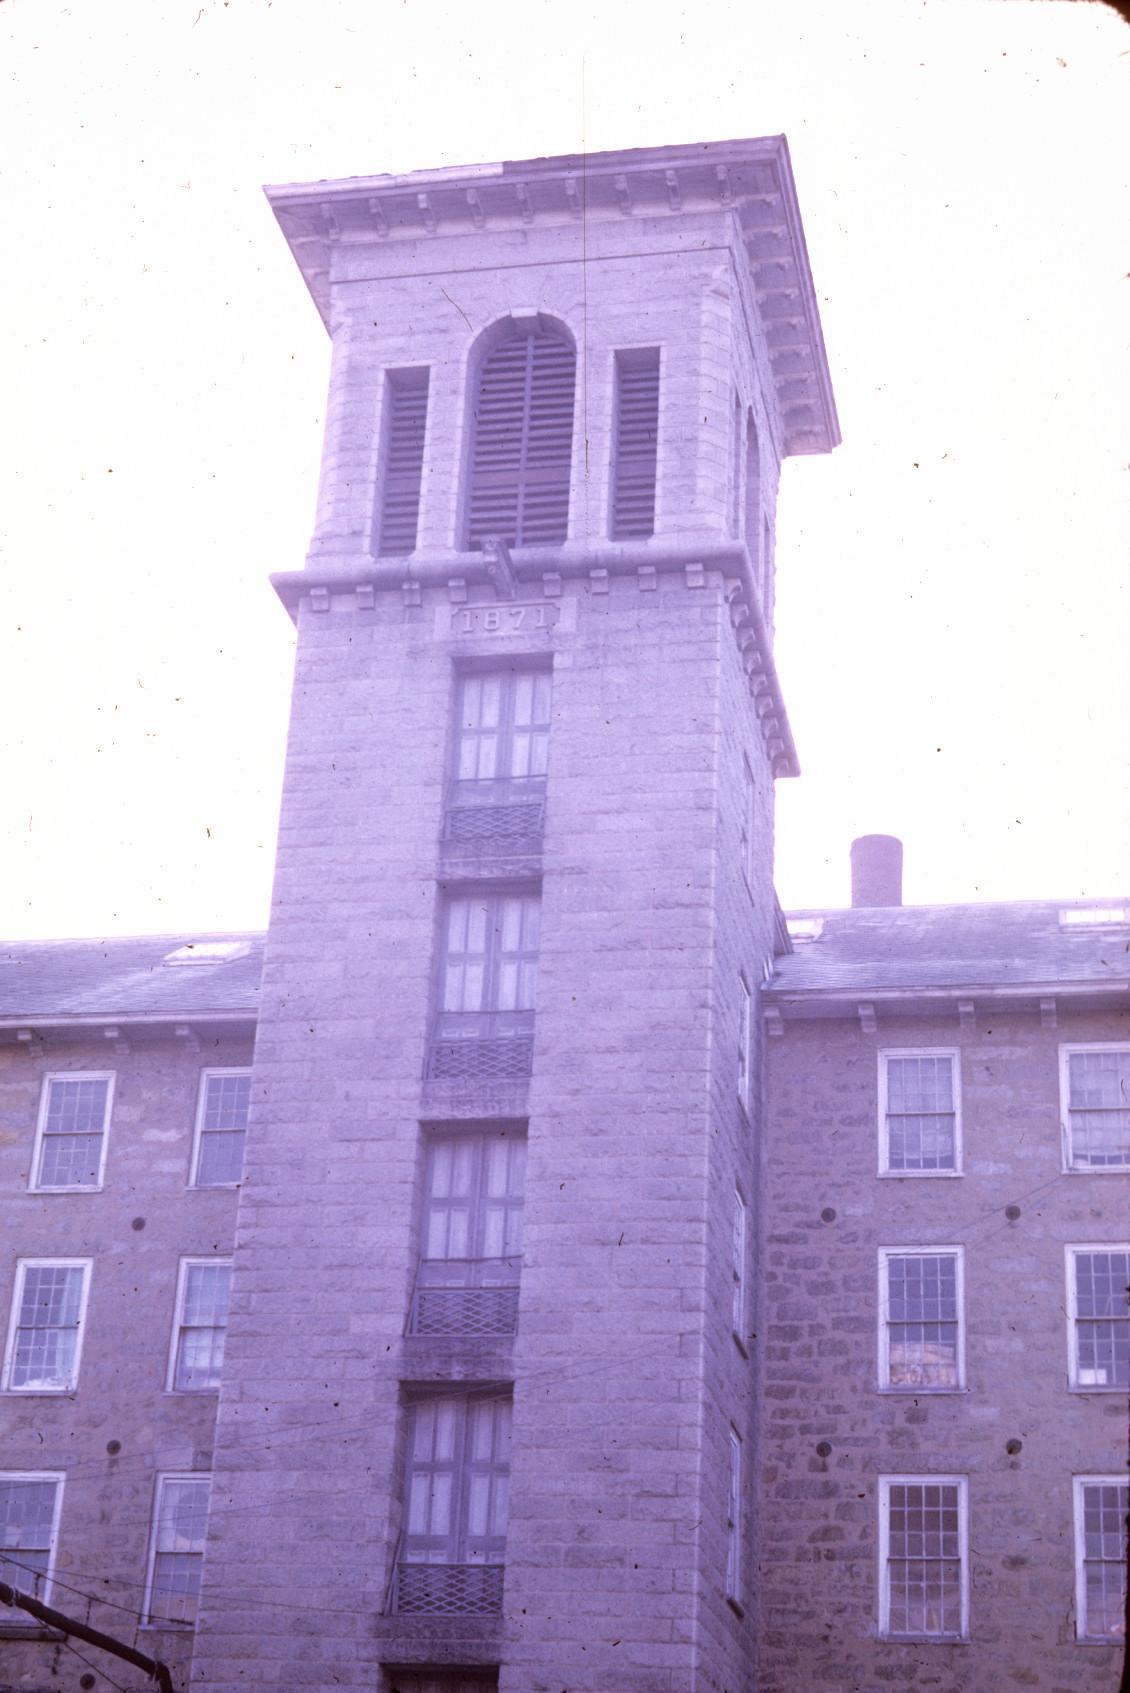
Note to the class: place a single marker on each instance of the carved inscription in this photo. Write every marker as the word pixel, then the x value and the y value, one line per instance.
pixel 502 619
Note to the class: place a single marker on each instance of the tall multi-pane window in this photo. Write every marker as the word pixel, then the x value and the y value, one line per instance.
pixel 45 1332
pixel 1095 1089
pixel 1101 1504
pixel 453 1547
pixel 737 1268
pixel 176 1550
pixel 487 981
pixel 920 1334
pixel 471 1233
pixel 923 1579
pixel 1099 1316
pixel 734 1520
pixel 402 460
pixel 70 1148
pixel 753 495
pixel 496 799
pixel 201 1324
pixel 29 1529
pixel 735 511
pixel 748 824
pixel 920 1122
pixel 221 1128
pixel 522 438
pixel 635 437
pixel 745 1041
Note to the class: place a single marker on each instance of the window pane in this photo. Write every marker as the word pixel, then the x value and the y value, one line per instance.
pixel 77 1107
pixel 69 1160
pixel 27 1510
pixel 47 1326
pixel 1099 1108
pixel 220 1160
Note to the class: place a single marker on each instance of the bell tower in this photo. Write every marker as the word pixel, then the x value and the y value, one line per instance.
pixel 488 1408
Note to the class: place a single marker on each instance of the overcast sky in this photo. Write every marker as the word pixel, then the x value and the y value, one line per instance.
pixel 953 607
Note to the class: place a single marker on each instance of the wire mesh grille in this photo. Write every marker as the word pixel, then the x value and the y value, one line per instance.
pixel 500 1060
pixel 464 1311
pixel 449 1590
pixel 502 828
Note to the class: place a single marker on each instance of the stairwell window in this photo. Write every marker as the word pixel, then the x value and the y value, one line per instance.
pixel 471 1233
pixel 45 1332
pixel 635 437
pixel 496 801
pixel 1095 1104
pixel 522 436
pixel 921 1338
pixel 453 1548
pixel 1101 1505
pixel 1098 1317
pixel 176 1551
pixel 487 981
pixel 919 1116
pixel 201 1325
pixel 402 460
pixel 221 1128
pixel 30 1503
pixel 70 1145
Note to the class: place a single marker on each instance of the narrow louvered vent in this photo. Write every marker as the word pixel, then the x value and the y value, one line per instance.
pixel 406 416
pixel 634 443
pixel 523 442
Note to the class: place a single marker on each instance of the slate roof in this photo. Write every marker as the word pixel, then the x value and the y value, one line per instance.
pixel 922 948
pixel 127 977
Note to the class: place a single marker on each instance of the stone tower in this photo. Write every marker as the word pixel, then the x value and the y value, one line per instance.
pixel 489 1420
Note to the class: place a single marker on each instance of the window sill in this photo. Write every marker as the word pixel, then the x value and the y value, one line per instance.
pixel 42 1392
pixel 29 1631
pixel 87 1187
pixel 1084 1391
pixel 919 1176
pixel 1102 1170
pixel 214 1187
pixel 893 1392
pixel 924 1639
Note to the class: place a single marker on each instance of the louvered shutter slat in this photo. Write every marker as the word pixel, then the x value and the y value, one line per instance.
pixel 405 426
pixel 523 444
pixel 635 442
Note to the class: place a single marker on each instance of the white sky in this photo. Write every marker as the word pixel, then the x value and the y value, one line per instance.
pixel 953 600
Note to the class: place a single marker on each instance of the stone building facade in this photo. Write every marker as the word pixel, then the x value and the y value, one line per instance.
pixel 942 1300
pixel 434 1301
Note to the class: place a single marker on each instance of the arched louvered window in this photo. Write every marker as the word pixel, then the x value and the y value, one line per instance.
pixel 634 443
pixel 522 442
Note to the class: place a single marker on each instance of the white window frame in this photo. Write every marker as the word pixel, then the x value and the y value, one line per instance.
pixel 953 1053
pixel 22 1267
pixel 107 1076
pixel 203 1476
pixel 199 1131
pixel 886 1253
pixel 734 1524
pixel 7 1624
pixel 1072 1303
pixel 886 1482
pixel 1066 1052
pixel 745 1043
pixel 748 823
pixel 1079 1487
pixel 187 1264
pixel 738 1267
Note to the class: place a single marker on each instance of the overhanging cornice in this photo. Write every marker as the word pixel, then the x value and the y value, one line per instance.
pixel 752 179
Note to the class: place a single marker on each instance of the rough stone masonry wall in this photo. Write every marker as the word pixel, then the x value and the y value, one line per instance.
pixel 604 1554
pixel 136 1230
pixel 819 1514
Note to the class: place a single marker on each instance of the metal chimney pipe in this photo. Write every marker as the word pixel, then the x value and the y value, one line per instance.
pixel 876 870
